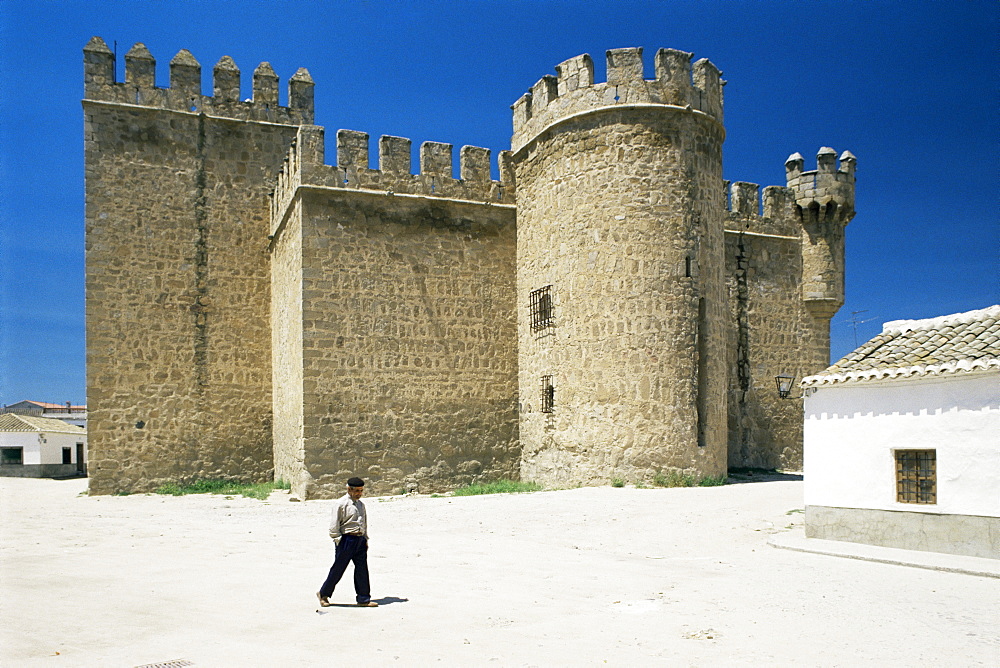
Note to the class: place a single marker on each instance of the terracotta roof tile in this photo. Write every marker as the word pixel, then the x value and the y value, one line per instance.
pixel 15 422
pixel 956 343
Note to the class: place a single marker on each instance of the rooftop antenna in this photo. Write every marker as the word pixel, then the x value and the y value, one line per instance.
pixel 855 322
pixel 114 66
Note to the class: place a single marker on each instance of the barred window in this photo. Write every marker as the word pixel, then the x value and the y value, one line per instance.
pixel 916 476
pixel 541 308
pixel 548 395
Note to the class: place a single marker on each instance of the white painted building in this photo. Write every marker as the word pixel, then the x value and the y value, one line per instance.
pixel 902 438
pixel 39 447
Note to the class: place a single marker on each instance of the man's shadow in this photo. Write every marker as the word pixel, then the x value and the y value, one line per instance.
pixel 385 600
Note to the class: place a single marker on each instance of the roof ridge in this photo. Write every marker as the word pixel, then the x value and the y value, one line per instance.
pixel 903 326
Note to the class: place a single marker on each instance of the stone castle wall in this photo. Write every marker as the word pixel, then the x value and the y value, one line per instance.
pixel 287 346
pixel 768 325
pixel 178 355
pixel 619 217
pixel 402 299
pixel 784 274
pixel 254 312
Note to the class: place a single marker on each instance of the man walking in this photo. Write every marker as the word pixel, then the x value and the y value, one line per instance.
pixel 349 531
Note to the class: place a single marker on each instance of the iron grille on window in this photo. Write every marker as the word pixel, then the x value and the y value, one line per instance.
pixel 548 395
pixel 541 308
pixel 916 476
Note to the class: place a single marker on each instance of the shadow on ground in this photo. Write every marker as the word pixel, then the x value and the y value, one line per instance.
pixel 385 600
pixel 743 475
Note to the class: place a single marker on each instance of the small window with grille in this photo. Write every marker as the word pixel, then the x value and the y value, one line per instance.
pixel 916 476
pixel 548 395
pixel 541 308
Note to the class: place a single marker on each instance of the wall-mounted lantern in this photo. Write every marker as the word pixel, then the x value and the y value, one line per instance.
pixel 784 383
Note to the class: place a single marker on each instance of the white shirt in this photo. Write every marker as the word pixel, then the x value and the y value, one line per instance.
pixel 348 517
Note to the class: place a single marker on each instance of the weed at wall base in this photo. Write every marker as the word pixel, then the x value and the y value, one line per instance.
pixel 259 490
pixel 498 487
pixel 677 478
pixel 674 478
pixel 713 480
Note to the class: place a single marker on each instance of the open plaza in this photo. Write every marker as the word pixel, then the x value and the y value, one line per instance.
pixel 578 577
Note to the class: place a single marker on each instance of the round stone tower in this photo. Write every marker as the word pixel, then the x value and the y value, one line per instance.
pixel 621 300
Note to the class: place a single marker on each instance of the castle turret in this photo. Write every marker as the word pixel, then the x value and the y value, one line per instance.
pixel 825 202
pixel 620 292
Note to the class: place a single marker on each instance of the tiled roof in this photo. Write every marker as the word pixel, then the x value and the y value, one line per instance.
pixel 46 404
pixel 950 344
pixel 14 422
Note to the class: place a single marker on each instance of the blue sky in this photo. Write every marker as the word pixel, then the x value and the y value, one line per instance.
pixel 911 88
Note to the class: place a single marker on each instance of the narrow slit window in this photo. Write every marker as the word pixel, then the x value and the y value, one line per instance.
pixel 541 308
pixel 548 395
pixel 916 476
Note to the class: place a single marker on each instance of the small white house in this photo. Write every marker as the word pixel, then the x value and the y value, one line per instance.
pixel 902 438
pixel 38 447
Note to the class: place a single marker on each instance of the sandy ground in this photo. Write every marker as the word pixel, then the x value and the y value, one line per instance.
pixel 582 577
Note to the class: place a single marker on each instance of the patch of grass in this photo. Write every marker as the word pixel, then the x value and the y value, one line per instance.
pixel 498 487
pixel 253 490
pixel 674 478
pixel 795 510
pixel 617 482
pixel 678 478
pixel 713 480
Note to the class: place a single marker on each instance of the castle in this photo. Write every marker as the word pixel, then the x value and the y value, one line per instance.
pixel 609 308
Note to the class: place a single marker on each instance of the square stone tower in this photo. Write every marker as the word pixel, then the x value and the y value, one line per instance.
pixel 178 337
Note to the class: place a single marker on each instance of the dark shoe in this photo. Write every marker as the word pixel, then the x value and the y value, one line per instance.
pixel 368 604
pixel 323 600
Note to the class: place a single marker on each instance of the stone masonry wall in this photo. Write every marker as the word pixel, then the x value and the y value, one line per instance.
pixel 775 325
pixel 407 328
pixel 286 356
pixel 178 339
pixel 253 312
pixel 619 216
pixel 768 326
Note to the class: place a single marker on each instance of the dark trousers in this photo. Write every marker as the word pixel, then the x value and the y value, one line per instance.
pixel 351 548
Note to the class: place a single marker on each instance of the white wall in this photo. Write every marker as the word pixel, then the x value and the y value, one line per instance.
pixel 28 440
pixel 852 428
pixel 55 442
pixel 49 452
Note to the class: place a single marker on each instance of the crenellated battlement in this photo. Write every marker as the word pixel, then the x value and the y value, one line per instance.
pixel 770 212
pixel 824 200
pixel 678 83
pixel 827 191
pixel 305 166
pixel 441 327
pixel 184 93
